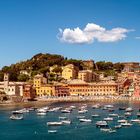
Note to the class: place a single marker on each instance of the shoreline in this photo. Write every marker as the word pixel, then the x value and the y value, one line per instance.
pixel 50 101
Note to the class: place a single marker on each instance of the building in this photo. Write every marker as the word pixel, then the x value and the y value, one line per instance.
pixel 88 76
pixel 28 91
pixel 12 88
pixel 44 89
pixel 78 87
pixel 131 67
pixel 88 64
pixel 62 91
pixel 69 72
pixel 25 72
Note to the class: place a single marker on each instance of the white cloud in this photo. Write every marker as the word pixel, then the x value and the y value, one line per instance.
pixel 90 33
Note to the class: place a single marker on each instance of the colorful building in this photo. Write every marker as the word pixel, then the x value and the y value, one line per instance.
pixel 78 87
pixel 69 72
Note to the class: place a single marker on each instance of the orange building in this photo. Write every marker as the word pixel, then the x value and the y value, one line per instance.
pixel 28 91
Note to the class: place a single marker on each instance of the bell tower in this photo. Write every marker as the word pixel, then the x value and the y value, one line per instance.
pixel 6 82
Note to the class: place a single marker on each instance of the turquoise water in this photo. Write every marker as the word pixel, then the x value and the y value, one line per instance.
pixel 34 127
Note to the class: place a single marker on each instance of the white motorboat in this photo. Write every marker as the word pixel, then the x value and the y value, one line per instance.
pixel 105 129
pixel 72 107
pixel 52 131
pixel 129 109
pixel 65 111
pixel 85 120
pixel 126 124
pixel 62 118
pixel 95 115
pixel 54 123
pixel 135 120
pixel 118 126
pixel 108 106
pixel 41 113
pixel 17 112
pixel 112 131
pixel 66 122
pixel 16 117
pixel 41 110
pixel 127 114
pixel 113 115
pixel 108 119
pixel 101 124
pixel 82 111
pixel 108 130
pixel 122 121
pixel 96 106
pixel 80 117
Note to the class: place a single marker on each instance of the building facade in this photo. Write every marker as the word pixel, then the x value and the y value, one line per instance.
pixel 81 88
pixel 69 72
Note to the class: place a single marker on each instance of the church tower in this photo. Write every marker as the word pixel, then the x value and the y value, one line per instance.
pixel 6 82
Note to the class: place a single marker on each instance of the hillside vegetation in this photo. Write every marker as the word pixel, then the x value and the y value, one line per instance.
pixel 40 63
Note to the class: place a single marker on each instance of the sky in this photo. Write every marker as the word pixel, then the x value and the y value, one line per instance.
pixel 102 30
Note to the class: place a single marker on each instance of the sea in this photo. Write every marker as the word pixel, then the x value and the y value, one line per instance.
pixel 34 127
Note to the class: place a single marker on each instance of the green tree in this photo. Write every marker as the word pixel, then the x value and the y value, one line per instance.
pixel 57 70
pixel 23 77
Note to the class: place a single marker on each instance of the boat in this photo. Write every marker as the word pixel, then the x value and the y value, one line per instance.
pixel 108 106
pixel 65 111
pixel 113 115
pixel 127 114
pixel 66 122
pixel 41 110
pixel 118 126
pixel 101 124
pixel 41 113
pixel 72 107
pixel 52 131
pixel 17 112
pixel 108 130
pixel 112 131
pixel 54 123
pixel 62 118
pixel 122 121
pixel 126 124
pixel 108 119
pixel 129 109
pixel 16 117
pixel 82 111
pixel 135 120
pixel 85 120
pixel 105 129
pixel 122 108
pixel 138 114
pixel 80 117
pixel 95 115
pixel 97 106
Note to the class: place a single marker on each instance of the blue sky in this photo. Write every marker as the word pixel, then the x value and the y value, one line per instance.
pixel 28 27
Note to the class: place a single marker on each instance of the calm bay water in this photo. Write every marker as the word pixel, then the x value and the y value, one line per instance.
pixel 34 127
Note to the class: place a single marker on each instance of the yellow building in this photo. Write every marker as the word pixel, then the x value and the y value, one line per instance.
pixel 69 72
pixel 79 87
pixel 41 86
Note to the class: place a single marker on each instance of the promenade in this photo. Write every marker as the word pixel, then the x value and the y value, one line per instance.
pixel 87 98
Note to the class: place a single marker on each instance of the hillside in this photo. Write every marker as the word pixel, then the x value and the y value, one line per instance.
pixel 40 63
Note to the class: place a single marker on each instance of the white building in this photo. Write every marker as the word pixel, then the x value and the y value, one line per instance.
pixel 11 88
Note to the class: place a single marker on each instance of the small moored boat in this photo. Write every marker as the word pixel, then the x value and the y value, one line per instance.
pixel 54 123
pixel 15 117
pixel 108 119
pixel 85 120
